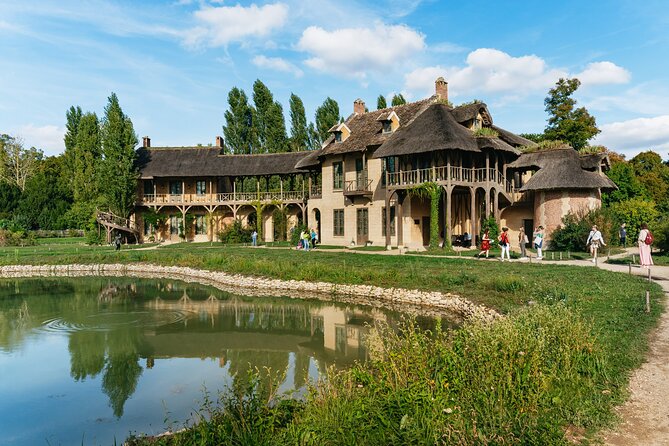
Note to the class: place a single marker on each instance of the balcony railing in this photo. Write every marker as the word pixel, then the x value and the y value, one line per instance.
pixel 359 186
pixel 223 198
pixel 316 191
pixel 455 174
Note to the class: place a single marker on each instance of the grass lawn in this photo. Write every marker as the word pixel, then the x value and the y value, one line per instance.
pixel 610 303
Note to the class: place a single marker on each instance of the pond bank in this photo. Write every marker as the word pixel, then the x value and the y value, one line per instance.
pixel 250 285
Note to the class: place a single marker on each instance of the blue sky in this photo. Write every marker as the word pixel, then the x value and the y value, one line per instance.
pixel 172 63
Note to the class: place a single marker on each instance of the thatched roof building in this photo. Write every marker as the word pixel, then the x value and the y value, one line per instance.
pixel 209 161
pixel 562 169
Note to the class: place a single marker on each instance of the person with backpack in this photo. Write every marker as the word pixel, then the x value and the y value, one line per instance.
pixel 645 240
pixel 505 244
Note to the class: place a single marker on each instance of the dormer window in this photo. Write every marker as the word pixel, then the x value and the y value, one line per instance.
pixel 387 126
pixel 340 132
pixel 337 136
pixel 477 124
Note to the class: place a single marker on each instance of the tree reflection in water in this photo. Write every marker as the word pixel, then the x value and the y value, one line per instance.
pixel 122 370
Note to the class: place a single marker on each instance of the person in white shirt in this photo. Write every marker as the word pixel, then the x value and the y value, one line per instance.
pixel 595 240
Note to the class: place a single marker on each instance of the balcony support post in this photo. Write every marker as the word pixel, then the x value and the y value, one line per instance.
pixel 448 234
pixel 387 212
pixel 472 216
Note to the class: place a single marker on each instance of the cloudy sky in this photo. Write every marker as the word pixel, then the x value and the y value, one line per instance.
pixel 173 62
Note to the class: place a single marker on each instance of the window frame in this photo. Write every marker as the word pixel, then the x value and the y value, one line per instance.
pixel 339 222
pixel 393 219
pixel 203 185
pixel 338 177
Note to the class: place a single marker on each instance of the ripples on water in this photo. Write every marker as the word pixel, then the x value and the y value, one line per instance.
pixel 106 321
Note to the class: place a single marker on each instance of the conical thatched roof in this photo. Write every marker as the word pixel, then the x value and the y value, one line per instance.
pixel 559 169
pixel 208 162
pixel 434 129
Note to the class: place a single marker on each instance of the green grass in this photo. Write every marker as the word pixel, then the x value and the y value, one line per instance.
pixel 609 305
pixel 61 240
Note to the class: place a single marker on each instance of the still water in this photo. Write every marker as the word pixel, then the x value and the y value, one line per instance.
pixel 88 361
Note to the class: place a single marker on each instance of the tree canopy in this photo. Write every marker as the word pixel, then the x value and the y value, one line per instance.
pixel 573 125
pixel 381 102
pixel 299 130
pixel 327 115
pixel 398 99
pixel 240 129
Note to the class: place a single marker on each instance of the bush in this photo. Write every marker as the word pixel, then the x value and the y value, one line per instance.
pixel 295 234
pixel 633 212
pixel 491 224
pixel 575 228
pixel 486 132
pixel 17 238
pixel 235 233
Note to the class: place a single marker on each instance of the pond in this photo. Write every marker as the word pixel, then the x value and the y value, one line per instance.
pixel 88 361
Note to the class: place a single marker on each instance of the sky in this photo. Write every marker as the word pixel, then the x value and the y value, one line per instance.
pixel 173 62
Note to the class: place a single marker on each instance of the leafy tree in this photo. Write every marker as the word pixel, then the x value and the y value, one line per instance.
pixel 633 212
pixel 398 99
pixel 327 115
pixel 622 173
pixel 47 196
pixel 381 102
pixel 299 132
pixel 534 137
pixel 10 195
pixel 575 126
pixel 17 163
pixel 87 156
pixel 241 135
pixel 270 122
pixel 73 116
pixel 653 174
pixel 118 171
pixel 314 137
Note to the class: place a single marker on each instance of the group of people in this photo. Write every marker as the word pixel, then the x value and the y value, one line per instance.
pixel 505 243
pixel 308 239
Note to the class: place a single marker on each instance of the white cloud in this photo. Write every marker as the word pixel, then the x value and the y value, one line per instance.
pixel 649 99
pixel 218 26
pixel 353 52
pixel 636 135
pixel 600 73
pixel 48 138
pixel 278 64
pixel 490 70
pixel 447 48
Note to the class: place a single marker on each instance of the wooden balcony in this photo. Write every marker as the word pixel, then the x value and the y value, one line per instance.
pixel 360 187
pixel 234 198
pixel 453 175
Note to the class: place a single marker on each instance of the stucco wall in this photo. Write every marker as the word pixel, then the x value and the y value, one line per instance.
pixel 551 206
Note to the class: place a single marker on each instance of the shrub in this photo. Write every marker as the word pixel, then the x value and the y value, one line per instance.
pixel 235 233
pixel 491 224
pixel 486 132
pixel 633 212
pixel 573 233
pixel 295 234
pixel 17 238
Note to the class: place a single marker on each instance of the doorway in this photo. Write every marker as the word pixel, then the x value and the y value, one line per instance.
pixel 362 225
pixel 528 225
pixel 426 231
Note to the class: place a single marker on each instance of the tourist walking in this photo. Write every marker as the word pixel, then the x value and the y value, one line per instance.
pixel 254 238
pixel 305 239
pixel 645 241
pixel 539 241
pixel 595 240
pixel 522 242
pixel 485 244
pixel 623 235
pixel 117 242
pixel 314 238
pixel 505 244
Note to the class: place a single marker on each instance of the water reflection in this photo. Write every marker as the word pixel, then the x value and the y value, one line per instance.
pixel 116 329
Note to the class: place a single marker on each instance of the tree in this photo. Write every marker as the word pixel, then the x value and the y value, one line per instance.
pixel 240 133
pixel 314 137
pixel 534 137
pixel 17 163
pixel 398 99
pixel 270 122
pixel 381 102
pixel 622 173
pixel 118 171
pixel 327 115
pixel 87 156
pixel 299 132
pixel 73 116
pixel 653 174
pixel 574 126
pixel 47 196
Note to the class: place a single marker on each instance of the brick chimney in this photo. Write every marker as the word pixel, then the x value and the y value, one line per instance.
pixel 359 107
pixel 441 88
pixel 219 142
pixel 146 141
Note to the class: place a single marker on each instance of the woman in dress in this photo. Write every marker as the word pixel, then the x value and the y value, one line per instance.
pixel 485 244
pixel 644 247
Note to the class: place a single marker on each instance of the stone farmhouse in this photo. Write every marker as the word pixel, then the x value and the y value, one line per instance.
pixel 366 184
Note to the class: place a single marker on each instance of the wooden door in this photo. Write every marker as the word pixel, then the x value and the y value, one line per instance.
pixel 362 224
pixel 426 231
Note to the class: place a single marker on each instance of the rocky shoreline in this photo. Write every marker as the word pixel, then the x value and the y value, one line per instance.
pixel 394 298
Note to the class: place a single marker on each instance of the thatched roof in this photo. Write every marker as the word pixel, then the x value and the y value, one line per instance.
pixel 512 138
pixel 367 130
pixel 469 112
pixel 594 160
pixel 209 162
pixel 559 169
pixel 436 128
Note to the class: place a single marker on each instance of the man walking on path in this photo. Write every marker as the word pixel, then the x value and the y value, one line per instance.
pixel 623 236
pixel 254 238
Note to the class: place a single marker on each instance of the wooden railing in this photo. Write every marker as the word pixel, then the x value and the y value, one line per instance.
pixel 362 184
pixel 316 191
pixel 454 174
pixel 228 197
pixel 112 220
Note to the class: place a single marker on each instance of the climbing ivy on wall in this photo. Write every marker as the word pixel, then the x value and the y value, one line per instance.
pixel 432 191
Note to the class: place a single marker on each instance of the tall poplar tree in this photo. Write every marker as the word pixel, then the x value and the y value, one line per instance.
pixel 87 156
pixel 73 116
pixel 241 135
pixel 573 125
pixel 381 102
pixel 327 115
pixel 398 99
pixel 270 121
pixel 118 179
pixel 299 132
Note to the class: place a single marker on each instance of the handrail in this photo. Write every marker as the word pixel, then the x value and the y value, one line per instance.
pixel 112 219
pixel 223 197
pixel 358 185
pixel 453 174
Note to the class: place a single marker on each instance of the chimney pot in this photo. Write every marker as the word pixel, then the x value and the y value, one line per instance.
pixel 219 141
pixel 441 88
pixel 146 141
pixel 359 106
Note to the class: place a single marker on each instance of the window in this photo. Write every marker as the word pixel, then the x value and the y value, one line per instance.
pixel 200 225
pixel 147 228
pixel 338 175
pixel 388 164
pixel 392 221
pixel 176 188
pixel 337 136
pixel 148 187
pixel 387 126
pixel 175 224
pixel 200 187
pixel 338 223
